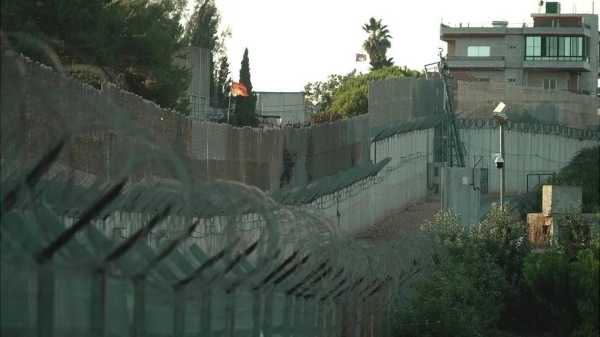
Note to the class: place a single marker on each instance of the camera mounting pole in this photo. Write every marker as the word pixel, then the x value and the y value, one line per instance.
pixel 500 117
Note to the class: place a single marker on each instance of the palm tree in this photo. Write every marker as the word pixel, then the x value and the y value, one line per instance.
pixel 377 44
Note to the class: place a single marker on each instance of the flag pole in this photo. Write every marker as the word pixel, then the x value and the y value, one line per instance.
pixel 229 108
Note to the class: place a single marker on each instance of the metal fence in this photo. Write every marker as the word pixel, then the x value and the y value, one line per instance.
pixel 136 247
pixel 294 273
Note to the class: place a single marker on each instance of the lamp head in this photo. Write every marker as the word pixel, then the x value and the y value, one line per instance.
pixel 500 114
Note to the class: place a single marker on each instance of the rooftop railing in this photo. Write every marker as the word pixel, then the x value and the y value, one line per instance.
pixel 485 25
pixel 556 24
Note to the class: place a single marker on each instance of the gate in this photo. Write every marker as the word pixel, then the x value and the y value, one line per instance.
pixel 484 182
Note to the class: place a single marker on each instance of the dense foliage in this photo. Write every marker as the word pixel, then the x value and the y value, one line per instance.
pixel 465 294
pixel 488 282
pixel 583 170
pixel 320 93
pixel 565 290
pixel 352 97
pixel 131 43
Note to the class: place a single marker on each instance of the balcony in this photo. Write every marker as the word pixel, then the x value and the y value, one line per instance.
pixel 466 62
pixel 575 63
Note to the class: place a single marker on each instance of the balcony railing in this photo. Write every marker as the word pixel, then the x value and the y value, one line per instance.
pixel 475 58
pixel 558 58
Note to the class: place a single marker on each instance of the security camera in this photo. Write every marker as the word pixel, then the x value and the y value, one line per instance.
pixel 500 114
pixel 499 162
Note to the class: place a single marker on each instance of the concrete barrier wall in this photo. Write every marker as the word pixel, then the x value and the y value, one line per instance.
pixel 404 179
pixel 114 127
pixel 525 153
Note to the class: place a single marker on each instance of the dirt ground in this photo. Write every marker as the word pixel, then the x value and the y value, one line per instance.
pixel 407 221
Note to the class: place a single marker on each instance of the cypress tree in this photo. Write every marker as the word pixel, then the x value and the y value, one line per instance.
pixel 245 107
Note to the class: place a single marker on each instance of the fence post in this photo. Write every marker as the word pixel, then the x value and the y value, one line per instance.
pixel 45 306
pixel 230 312
pixel 139 308
pixel 205 314
pixel 257 314
pixel 267 326
pixel 179 314
pixel 298 314
pixel 98 303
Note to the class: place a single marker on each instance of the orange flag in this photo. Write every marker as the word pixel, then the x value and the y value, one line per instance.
pixel 238 89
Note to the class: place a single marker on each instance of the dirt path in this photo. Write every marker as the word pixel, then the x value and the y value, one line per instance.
pixel 405 221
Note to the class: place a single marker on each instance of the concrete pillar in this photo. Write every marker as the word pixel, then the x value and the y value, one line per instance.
pixel 461 191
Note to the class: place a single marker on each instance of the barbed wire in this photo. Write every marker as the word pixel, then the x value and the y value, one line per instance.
pixel 294 252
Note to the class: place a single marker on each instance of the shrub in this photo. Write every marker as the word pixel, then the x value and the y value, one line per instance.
pixel 506 241
pixel 586 271
pixel 462 296
pixel 486 280
pixel 564 281
pixel 547 275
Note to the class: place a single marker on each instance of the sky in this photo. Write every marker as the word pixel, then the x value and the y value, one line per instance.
pixel 293 42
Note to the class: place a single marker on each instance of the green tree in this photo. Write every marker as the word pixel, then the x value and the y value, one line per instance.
pixel 151 36
pixel 377 44
pixel 245 107
pixel 320 93
pixel 223 83
pixel 131 43
pixel 352 97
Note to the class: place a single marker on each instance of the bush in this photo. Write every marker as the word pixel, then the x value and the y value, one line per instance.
pixel 586 274
pixel 462 296
pixel 566 289
pixel 506 241
pixel 547 275
pixel 486 280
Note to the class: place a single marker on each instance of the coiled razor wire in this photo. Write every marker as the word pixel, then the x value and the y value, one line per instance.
pixel 54 218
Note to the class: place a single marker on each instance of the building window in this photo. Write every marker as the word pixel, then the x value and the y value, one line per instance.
pixel 533 46
pixel 512 80
pixel 557 48
pixel 512 46
pixel 478 51
pixel 483 80
pixel 550 84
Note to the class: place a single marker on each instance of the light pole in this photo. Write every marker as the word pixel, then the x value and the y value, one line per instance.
pixel 501 118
